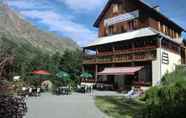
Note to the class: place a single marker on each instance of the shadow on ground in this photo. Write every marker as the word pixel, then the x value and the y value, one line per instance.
pixel 118 107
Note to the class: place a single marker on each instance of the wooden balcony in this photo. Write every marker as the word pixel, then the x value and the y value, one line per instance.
pixel 123 58
pixel 105 53
pixel 126 51
pixel 135 50
pixel 134 57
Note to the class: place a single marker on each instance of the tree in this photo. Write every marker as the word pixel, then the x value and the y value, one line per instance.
pixel 71 62
pixel 10 106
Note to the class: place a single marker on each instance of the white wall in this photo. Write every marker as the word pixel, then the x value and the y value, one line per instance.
pixel 156 69
pixel 174 59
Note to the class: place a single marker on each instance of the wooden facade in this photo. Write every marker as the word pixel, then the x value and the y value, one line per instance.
pixel 145 19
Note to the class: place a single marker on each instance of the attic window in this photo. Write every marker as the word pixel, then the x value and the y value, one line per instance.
pixel 115 8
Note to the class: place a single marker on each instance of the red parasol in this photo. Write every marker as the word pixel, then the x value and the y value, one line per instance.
pixel 41 72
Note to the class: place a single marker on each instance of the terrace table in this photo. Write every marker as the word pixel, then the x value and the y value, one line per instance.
pixel 64 90
pixel 87 86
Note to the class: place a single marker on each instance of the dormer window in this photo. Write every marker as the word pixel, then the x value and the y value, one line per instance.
pixel 115 8
pixel 110 30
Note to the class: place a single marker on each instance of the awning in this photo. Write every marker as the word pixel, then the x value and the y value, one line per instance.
pixel 120 70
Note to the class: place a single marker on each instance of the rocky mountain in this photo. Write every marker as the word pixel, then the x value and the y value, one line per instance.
pixel 12 24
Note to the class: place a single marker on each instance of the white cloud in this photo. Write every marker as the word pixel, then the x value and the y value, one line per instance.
pixel 46 13
pixel 29 4
pixel 83 5
pixel 59 23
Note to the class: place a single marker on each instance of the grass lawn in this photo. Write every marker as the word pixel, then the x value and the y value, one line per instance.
pixel 118 107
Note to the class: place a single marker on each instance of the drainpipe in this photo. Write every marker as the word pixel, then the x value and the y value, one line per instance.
pixel 161 38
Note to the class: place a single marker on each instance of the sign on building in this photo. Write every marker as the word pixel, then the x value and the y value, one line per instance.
pixel 165 58
pixel 121 18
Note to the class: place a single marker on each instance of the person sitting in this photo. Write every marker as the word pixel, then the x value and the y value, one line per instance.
pixel 38 91
pixel 30 91
pixel 130 93
pixel 24 90
pixel 135 93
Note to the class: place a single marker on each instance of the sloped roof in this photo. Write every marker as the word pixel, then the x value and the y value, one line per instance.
pixel 146 6
pixel 140 33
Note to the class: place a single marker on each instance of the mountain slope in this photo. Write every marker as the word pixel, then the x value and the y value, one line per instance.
pixel 22 31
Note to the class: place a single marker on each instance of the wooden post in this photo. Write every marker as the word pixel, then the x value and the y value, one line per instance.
pixel 83 68
pixel 83 51
pixel 133 55
pixel 96 72
pixel 113 52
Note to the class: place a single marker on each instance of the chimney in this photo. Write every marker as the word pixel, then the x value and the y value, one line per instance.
pixel 157 8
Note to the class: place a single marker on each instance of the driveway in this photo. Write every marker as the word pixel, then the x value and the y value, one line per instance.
pixel 73 106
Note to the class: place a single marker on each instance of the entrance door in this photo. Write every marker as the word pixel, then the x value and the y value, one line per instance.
pixel 128 81
pixel 119 81
pixel 123 82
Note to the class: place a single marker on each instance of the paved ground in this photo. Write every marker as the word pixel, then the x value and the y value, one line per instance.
pixel 73 106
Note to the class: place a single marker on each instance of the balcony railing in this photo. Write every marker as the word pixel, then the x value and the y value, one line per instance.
pixel 126 51
pixel 135 57
pixel 105 53
pixel 145 56
pixel 134 50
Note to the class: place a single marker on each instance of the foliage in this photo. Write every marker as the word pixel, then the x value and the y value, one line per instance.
pixel 176 76
pixel 167 100
pixel 12 107
pixel 28 58
pixel 71 63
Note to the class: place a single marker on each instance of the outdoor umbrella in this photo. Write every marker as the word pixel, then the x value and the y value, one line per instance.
pixel 86 75
pixel 40 72
pixel 63 75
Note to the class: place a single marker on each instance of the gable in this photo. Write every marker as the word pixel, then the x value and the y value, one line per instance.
pixel 132 4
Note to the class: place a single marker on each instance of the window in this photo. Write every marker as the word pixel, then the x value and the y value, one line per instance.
pixel 135 23
pixel 177 35
pixel 110 30
pixel 161 28
pixel 166 30
pixel 171 33
pixel 174 34
pixel 131 25
pixel 165 58
pixel 115 8
pixel 123 29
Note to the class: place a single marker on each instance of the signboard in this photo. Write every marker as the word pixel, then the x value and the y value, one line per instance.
pixel 165 58
pixel 121 18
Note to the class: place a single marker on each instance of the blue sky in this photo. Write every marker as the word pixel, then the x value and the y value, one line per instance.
pixel 75 18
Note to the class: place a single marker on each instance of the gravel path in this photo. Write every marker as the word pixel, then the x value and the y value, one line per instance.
pixel 73 106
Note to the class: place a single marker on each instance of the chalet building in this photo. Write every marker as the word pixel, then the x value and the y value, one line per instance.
pixel 137 45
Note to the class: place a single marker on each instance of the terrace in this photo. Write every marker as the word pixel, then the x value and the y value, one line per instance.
pixel 127 52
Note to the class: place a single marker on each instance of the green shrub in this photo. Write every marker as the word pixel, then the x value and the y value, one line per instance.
pixel 168 101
